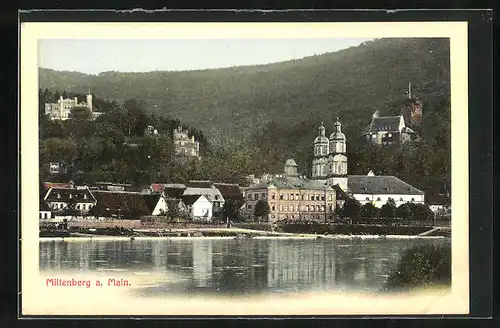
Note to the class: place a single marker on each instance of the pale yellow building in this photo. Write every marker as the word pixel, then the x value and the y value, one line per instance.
pixel 292 197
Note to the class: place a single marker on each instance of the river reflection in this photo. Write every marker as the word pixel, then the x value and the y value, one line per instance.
pixel 237 266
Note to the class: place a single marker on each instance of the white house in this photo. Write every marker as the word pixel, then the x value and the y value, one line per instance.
pixel 61 198
pixel 199 207
pixel 379 189
pixel 206 188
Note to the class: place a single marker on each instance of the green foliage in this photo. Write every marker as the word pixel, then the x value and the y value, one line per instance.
pixel 404 211
pixel 422 266
pixel 258 116
pixel 231 208
pixel 351 209
pixel 369 210
pixel 388 210
pixel 262 209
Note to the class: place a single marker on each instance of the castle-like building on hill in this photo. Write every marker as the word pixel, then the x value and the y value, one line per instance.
pixel 61 109
pixel 397 129
pixel 184 146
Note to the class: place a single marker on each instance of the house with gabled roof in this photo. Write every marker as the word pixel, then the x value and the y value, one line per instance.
pixel 199 207
pixel 379 189
pixel 128 205
pixel 207 189
pixel 388 130
pixel 81 199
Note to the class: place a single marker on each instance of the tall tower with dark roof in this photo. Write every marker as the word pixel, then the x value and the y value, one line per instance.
pixel 337 159
pixel 321 151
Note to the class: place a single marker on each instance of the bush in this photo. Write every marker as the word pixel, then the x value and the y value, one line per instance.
pixel 421 266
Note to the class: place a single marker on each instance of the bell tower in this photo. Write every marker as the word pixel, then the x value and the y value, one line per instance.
pixel 321 150
pixel 337 160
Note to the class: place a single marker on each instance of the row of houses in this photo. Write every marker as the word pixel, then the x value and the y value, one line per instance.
pixel 198 200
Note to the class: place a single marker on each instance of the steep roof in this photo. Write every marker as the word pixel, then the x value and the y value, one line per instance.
pixel 229 190
pixel 48 185
pixel 127 202
pixel 191 199
pixel 363 184
pixel 69 195
pixel 174 192
pixel 199 184
pixel 284 182
pixel 385 123
pixel 157 187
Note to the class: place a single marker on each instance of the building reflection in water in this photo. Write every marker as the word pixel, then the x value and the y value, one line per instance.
pixel 238 265
pixel 202 262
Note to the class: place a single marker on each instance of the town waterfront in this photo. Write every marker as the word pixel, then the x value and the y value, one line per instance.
pixel 204 266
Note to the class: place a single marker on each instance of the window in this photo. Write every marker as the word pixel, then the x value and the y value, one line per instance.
pixel 297 196
pixel 302 197
pixel 330 198
pixel 77 206
pixel 401 199
pixel 291 208
pixel 272 208
pixel 373 136
pixel 323 197
pixel 84 196
pixel 58 195
pixel 322 208
pixel 307 208
pixel 281 207
pixel 413 199
pixel 216 197
pixel 286 208
pixel 367 198
pixel 286 196
pixel 249 206
pixel 317 197
pixel 390 135
pixel 317 208
pixel 378 199
pixel 281 196
pixel 273 196
pixel 263 196
pixel 291 196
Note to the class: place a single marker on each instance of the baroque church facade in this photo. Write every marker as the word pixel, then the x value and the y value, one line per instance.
pixel 329 167
pixel 330 161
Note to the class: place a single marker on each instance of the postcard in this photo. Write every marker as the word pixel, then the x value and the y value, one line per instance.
pixel 242 169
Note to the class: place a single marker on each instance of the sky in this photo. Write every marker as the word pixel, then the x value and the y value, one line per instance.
pixel 128 55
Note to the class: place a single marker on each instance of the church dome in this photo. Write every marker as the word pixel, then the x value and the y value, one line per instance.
pixel 321 139
pixel 337 134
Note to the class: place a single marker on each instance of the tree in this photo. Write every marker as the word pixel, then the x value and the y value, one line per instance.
pixel 388 210
pixel 404 211
pixel 422 212
pixel 80 113
pixel 262 209
pixel 369 210
pixel 351 209
pixel 231 208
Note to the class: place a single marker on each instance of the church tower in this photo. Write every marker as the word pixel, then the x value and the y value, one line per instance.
pixel 337 160
pixel 89 100
pixel 321 150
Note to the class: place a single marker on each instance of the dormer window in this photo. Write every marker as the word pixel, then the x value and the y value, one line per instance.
pixel 84 196
pixel 58 195
pixel 378 199
pixel 70 196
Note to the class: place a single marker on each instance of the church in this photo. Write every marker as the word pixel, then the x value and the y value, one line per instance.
pixel 329 167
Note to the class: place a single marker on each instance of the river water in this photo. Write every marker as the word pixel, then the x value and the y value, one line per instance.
pixel 235 266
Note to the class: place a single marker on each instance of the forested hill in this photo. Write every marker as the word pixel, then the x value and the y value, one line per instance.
pixel 236 103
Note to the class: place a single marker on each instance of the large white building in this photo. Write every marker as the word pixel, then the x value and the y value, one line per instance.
pixel 330 167
pixel 61 109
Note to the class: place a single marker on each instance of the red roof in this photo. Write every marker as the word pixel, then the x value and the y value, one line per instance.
pixel 48 185
pixel 157 187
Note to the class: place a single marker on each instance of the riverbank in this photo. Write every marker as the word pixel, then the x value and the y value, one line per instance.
pixel 215 233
